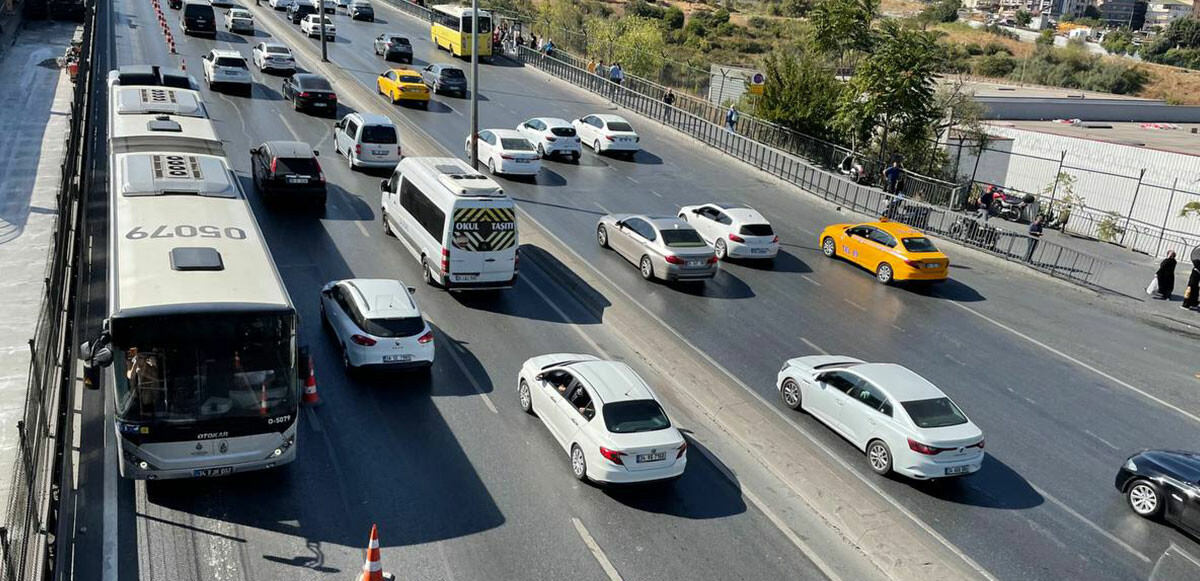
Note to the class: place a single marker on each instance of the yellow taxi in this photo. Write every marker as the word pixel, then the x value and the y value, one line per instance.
pixel 401 85
pixel 893 251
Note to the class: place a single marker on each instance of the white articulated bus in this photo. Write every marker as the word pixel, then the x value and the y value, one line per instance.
pixel 200 333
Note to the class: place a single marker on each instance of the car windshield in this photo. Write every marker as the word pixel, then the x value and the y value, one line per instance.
pixel 920 244
pixel 278 50
pixel 515 144
pixel 639 415
pixel 305 166
pixel 757 230
pixel 620 126
pixel 379 134
pixel 563 131
pixel 684 238
pixel 410 79
pixel 938 412
pixel 453 74
pixel 399 327
pixel 231 62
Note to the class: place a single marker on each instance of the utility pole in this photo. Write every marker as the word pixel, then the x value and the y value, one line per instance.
pixel 321 15
pixel 474 84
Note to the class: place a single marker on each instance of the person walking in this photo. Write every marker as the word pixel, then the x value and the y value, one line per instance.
pixel 1191 293
pixel 617 76
pixel 985 203
pixel 1165 277
pixel 891 177
pixel 591 67
pixel 731 118
pixel 1035 232
pixel 668 100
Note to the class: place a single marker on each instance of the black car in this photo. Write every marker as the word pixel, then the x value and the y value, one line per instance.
pixel 309 92
pixel 199 19
pixel 296 11
pixel 1163 483
pixel 175 4
pixel 445 79
pixel 362 10
pixel 394 47
pixel 288 171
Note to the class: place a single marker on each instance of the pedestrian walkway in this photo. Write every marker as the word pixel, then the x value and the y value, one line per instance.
pixel 37 101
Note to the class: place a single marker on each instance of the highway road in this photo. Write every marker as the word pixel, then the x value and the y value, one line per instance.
pixel 1063 386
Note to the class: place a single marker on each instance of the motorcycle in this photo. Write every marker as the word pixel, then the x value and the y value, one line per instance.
pixel 1010 206
pixel 974 232
pixel 852 169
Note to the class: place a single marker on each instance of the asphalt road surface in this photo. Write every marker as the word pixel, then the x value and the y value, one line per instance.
pixel 1063 387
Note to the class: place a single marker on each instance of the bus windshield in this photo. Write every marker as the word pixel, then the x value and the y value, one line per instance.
pixel 184 369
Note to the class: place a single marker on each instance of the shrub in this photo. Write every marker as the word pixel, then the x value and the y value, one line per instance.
pixel 995 65
pixel 673 18
pixel 973 48
pixel 996 48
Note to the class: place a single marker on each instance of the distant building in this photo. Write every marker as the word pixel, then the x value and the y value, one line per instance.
pixel 1162 12
pixel 1073 7
pixel 1127 13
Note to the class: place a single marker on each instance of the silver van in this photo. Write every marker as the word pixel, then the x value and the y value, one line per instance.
pixel 367 140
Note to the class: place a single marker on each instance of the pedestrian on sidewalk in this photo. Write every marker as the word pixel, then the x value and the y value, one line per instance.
pixel 1191 294
pixel 1165 277
pixel 891 177
pixel 985 203
pixel 617 76
pixel 668 100
pixel 731 118
pixel 1035 232
pixel 591 68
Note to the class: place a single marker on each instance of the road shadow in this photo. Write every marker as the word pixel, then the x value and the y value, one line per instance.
pixel 996 485
pixel 560 206
pixel 545 178
pixel 639 157
pixel 725 285
pixel 784 262
pixel 949 289
pixel 266 93
pixel 705 491
pixel 225 36
pixel 591 161
pixel 435 106
pixel 504 62
pixel 546 270
pixel 342 204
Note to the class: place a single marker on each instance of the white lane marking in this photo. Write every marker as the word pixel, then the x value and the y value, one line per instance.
pixel 598 205
pixel 811 279
pixel 1089 523
pixel 597 552
pixel 813 346
pixel 632 180
pixel 655 193
pixel 1102 440
pixel 1029 400
pixel 471 378
pixel 362 228
pixel 1086 366
pixel 951 358
pixel 897 327
pixel 558 311
pixel 806 231
pixel 855 305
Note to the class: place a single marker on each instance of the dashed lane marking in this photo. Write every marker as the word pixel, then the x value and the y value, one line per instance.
pixel 597 552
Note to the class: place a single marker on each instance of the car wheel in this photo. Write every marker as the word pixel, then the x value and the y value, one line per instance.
pixel 387 226
pixel 883 273
pixel 1145 498
pixel 789 392
pixel 575 157
pixel 525 398
pixel 428 276
pixel 596 146
pixel 720 249
pixel 879 457
pixel 578 463
pixel 541 151
pixel 829 247
pixel 602 236
pixel 646 267
pixel 346 360
pixel 395 97
pixel 349 159
pixel 492 166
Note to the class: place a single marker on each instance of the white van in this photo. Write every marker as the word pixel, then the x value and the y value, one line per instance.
pixel 367 140
pixel 456 221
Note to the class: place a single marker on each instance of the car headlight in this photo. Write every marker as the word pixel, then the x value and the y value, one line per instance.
pixel 1130 465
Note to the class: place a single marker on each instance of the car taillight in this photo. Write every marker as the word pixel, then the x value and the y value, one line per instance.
pixel 446 262
pixel 979 445
pixel 920 448
pixel 613 456
pixel 304 94
pixel 712 259
pixel 333 96
pixel 682 449
pixel 516 259
pixel 775 240
pixel 357 149
pixel 550 138
pixel 504 156
pixel 671 258
pixel 398 152
pixel 610 138
pixel 320 172
pixel 362 340
pixel 736 238
pixel 426 338
pixel 273 160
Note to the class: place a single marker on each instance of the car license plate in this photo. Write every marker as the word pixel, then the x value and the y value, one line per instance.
pixel 758 251
pixel 952 470
pixel 695 263
pixel 395 358
pixel 522 161
pixel 932 265
pixel 643 458
pixel 465 277
pixel 204 472
pixel 297 180
pixel 318 104
pixel 379 152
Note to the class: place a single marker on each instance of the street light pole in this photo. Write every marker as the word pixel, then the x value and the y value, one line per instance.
pixel 474 84
pixel 321 15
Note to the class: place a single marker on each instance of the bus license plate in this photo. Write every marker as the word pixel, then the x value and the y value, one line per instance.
pixel 952 470
pixel 465 277
pixel 643 458
pixel 222 471
pixel 396 358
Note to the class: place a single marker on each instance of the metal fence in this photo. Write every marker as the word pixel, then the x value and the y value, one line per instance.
pixel 698 123
pixel 27 538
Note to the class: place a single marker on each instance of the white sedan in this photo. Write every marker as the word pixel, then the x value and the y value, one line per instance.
pixel 311 26
pixel 734 231
pixel 273 56
pixel 506 152
pixel 377 324
pixel 902 422
pixel 604 416
pixel 607 133
pixel 552 136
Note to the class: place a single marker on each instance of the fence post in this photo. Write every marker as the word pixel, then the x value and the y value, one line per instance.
pixel 1166 217
pixel 1129 215
pixel 1054 189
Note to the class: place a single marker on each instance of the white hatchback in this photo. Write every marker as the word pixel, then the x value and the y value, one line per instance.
pixel 377 324
pixel 226 67
pixel 734 231
pixel 607 133
pixel 902 421
pixel 605 416
pixel 552 136
pixel 505 151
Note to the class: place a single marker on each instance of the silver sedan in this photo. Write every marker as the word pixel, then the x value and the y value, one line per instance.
pixel 666 248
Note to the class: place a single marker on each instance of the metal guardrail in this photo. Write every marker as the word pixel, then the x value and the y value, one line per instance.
pixel 1042 255
pixel 27 539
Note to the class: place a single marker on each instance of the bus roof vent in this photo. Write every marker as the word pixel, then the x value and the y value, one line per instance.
pixel 156 174
pixel 163 123
pixel 468 184
pixel 149 100
pixel 196 258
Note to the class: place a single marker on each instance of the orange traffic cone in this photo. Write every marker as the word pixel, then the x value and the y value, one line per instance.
pixel 373 569
pixel 262 401
pixel 310 385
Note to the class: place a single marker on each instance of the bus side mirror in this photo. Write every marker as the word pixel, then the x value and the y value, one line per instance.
pixel 96 355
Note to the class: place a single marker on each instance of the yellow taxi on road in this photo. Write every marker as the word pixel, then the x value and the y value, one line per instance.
pixel 893 251
pixel 401 85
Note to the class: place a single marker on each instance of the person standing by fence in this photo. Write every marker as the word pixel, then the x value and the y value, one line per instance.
pixel 1164 278
pixel 891 177
pixel 1035 232
pixel 617 76
pixel 591 68
pixel 1191 294
pixel 731 118
pixel 668 100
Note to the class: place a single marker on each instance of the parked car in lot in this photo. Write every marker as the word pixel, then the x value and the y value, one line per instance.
pixel 607 133
pixel 377 324
pixel 903 422
pixel 311 26
pixel 445 79
pixel 287 172
pixel 733 230
pixel 403 85
pixel 239 20
pixel 604 416
pixel 367 140
pixel 665 248
pixel 226 68
pixel 394 47
pixel 309 92
pixel 505 151
pixel 552 136
pixel 273 56
pixel 362 10
pixel 890 250
pixel 1163 484
pixel 298 10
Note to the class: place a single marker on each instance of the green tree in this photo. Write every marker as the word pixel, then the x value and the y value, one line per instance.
pixel 940 11
pixel 1046 38
pixel 997 65
pixel 634 41
pixel 793 8
pixel 843 26
pixel 1119 42
pixel 673 18
pixel 1024 18
pixel 800 93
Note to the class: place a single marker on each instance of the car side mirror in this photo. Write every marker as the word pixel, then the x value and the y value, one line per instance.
pixel 540 376
pixel 821 377
pixel 696 211
pixel 412 290
pixel 96 355
pixel 383 185
pixel 316 153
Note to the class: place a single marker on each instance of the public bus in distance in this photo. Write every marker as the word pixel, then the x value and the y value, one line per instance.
pixel 451 30
pixel 199 342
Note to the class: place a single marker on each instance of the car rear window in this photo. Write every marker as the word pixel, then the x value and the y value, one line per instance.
pixel 920 244
pixel 315 84
pixel 379 134
pixel 938 412
pixel 305 166
pixel 232 62
pixel 619 126
pixel 240 14
pixel 756 230
pixel 563 131
pixel 639 415
pixel 400 40
pixel 453 73
pixel 515 144
pixel 682 238
pixel 197 11
pixel 410 79
pixel 278 50
pixel 399 327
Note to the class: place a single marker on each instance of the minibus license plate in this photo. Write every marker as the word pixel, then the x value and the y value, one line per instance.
pixel 222 471
pixel 297 179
